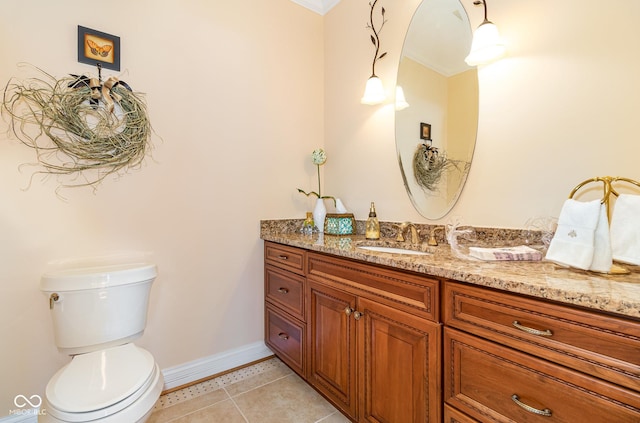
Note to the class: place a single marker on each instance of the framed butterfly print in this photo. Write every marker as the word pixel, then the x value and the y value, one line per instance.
pixel 98 47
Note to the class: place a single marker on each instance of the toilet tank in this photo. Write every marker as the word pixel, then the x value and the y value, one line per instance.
pixel 97 307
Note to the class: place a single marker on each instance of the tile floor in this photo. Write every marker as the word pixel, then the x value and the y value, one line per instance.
pixel 265 392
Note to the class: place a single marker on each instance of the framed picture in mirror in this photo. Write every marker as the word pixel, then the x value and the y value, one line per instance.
pixel 425 131
pixel 98 47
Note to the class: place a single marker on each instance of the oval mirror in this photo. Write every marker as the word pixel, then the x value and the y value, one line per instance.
pixel 436 131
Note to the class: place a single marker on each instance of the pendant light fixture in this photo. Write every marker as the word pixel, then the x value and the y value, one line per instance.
pixel 486 45
pixel 374 91
pixel 401 101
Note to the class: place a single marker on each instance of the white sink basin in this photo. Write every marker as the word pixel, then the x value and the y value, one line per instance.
pixel 392 250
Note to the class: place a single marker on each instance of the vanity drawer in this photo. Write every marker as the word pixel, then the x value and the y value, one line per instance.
pixel 285 257
pixel 603 346
pixel 413 293
pixel 451 415
pixel 285 289
pixel 285 335
pixel 486 381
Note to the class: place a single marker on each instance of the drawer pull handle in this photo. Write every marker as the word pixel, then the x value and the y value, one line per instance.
pixel 283 290
pixel 532 331
pixel 546 412
pixel 283 257
pixel 283 336
pixel 348 311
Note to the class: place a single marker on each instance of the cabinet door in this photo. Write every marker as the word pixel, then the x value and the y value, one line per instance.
pixel 332 345
pixel 399 369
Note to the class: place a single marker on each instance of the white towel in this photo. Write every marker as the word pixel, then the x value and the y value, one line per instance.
pixel 602 259
pixel 625 229
pixel 573 243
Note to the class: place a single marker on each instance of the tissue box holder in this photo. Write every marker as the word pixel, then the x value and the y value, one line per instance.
pixel 339 224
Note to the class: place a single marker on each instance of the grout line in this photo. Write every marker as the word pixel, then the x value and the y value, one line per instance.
pixel 326 417
pixel 259 386
pixel 237 407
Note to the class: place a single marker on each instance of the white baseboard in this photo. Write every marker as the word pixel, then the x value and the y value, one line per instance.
pixel 185 373
pixel 208 366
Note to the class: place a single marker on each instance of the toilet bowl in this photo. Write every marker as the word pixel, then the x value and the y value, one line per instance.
pixel 97 312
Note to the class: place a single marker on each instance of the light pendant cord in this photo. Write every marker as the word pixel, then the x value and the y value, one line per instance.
pixel 484 4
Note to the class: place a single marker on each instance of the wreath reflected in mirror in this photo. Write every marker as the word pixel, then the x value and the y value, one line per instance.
pixel 430 165
pixel 79 126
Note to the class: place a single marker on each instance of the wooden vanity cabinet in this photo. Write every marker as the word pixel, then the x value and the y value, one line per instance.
pixel 369 338
pixel 374 340
pixel 284 289
pixel 514 359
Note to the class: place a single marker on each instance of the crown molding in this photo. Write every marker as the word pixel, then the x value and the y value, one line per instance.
pixel 319 6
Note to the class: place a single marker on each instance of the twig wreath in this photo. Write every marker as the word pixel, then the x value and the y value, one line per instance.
pixel 79 125
pixel 429 166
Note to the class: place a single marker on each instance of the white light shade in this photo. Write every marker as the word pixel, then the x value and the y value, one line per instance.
pixel 401 102
pixel 486 45
pixel 373 92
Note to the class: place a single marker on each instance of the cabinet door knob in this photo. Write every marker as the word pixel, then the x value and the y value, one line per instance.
pixel 546 412
pixel 357 315
pixel 532 331
pixel 348 311
pixel 283 290
pixel 283 336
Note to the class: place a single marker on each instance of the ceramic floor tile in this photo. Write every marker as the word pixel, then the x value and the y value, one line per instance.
pixel 286 400
pixel 336 417
pixel 265 392
pixel 258 380
pixel 182 408
pixel 223 412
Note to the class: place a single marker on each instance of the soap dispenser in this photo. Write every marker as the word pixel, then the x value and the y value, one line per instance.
pixel 372 227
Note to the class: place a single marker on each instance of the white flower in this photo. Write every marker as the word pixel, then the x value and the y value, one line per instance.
pixel 319 156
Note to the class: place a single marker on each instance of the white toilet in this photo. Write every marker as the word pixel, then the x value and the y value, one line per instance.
pixel 97 313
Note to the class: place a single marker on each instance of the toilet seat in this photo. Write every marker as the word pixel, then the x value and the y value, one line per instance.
pixel 137 412
pixel 101 383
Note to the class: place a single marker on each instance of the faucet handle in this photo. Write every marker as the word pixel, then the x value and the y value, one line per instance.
pixel 432 236
pixel 400 236
pixel 401 228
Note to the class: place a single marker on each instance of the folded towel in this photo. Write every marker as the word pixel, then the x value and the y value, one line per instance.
pixel 573 242
pixel 520 253
pixel 625 229
pixel 602 259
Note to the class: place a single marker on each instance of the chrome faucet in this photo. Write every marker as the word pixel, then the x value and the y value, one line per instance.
pixel 402 229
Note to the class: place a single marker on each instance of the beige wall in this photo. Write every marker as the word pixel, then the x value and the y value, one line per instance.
pixel 241 93
pixel 559 109
pixel 463 113
pixel 235 94
pixel 428 95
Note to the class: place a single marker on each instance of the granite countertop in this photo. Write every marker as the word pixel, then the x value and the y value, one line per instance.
pixel 617 294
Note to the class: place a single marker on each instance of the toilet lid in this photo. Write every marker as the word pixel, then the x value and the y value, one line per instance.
pixel 100 379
